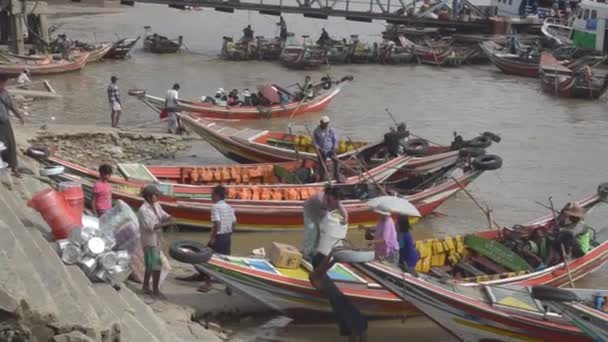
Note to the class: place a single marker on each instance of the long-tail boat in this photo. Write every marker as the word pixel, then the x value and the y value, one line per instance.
pixel 263 146
pixel 290 292
pixel 562 81
pixel 279 206
pixel 99 52
pixel 46 68
pixel 328 90
pixel 304 55
pixel 509 63
pixel 121 48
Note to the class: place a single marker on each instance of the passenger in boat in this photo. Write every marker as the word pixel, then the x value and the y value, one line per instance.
pixel 569 230
pixel 394 140
pixel 247 98
pixel 458 142
pixel 152 220
pixel 24 78
pixel 315 208
pixel 385 238
pixel 114 99
pixel 101 199
pixel 536 249
pixel 305 89
pixel 324 39
pixel 171 100
pixel 351 322
pixel 7 136
pixel 326 140
pixel 233 98
pixel 248 33
pixel 408 255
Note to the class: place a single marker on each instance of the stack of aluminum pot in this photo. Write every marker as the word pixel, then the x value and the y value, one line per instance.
pixel 93 249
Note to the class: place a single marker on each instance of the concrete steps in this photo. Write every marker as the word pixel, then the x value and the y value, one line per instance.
pixel 63 294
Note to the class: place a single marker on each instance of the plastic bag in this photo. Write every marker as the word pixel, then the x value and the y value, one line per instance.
pixel 331 232
pixel 116 217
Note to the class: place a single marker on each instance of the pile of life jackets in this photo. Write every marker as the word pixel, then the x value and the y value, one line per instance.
pixel 304 143
pixel 259 174
pixel 254 193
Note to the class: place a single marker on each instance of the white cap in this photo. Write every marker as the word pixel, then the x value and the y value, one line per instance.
pixel 325 119
pixel 203 98
pixel 221 90
pixel 246 93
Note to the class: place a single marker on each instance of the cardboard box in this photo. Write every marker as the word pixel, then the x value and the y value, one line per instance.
pixel 284 256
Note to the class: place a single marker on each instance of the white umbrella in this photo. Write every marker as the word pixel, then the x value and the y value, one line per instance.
pixel 394 204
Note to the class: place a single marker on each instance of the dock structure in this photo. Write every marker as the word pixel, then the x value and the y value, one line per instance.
pixel 391 11
pixel 23 22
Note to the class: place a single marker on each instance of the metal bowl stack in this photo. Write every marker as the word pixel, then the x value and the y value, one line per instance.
pixel 92 250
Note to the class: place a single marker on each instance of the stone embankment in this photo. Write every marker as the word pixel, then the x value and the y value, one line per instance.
pixel 41 299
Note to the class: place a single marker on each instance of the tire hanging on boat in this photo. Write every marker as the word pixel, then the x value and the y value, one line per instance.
pixel 487 162
pixel 416 147
pixel 481 141
pixel 190 252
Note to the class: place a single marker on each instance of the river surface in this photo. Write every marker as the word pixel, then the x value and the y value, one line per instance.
pixel 551 147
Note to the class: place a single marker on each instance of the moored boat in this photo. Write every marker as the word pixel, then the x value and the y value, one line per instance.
pixel 304 55
pixel 562 81
pixel 243 49
pixel 156 43
pixel 328 90
pixel 98 52
pixel 263 146
pixel 53 67
pixel 289 291
pixel 121 48
pixel 509 63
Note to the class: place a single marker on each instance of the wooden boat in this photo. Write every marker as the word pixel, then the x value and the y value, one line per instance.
pixel 294 107
pixel 263 146
pixel 268 48
pixel 99 52
pixel 54 67
pixel 390 53
pixel 577 306
pixel 562 81
pixel 160 44
pixel 121 48
pixel 279 207
pixel 290 292
pixel 305 55
pixel 509 63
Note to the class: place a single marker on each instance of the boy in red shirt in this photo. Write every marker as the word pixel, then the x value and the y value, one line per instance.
pixel 101 200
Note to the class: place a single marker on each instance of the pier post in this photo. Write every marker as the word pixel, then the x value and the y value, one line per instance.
pixel 16 26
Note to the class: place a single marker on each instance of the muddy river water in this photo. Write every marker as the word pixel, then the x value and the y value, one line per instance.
pixel 551 147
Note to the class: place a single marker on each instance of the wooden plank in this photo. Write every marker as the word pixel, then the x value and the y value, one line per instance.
pixel 469 269
pixel 488 264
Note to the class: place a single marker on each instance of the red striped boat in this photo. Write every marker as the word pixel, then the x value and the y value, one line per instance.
pixel 54 67
pixel 262 146
pixel 289 291
pixel 509 63
pixel 212 111
pixel 193 207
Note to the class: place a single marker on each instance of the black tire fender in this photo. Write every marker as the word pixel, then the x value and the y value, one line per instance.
pixel 471 152
pixel 38 152
pixel 416 147
pixel 481 141
pixel 190 252
pixel 602 191
pixel 543 292
pixel 493 136
pixel 487 162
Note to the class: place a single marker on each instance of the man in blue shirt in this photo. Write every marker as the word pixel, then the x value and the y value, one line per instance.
pixel 327 143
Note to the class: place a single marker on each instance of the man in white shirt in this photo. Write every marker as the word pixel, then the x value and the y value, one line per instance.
pixel 224 223
pixel 24 79
pixel 171 107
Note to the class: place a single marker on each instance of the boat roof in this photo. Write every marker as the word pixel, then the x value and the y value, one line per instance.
pixel 549 63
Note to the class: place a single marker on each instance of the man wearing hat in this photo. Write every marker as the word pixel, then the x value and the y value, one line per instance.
pixel 114 99
pixel 324 137
pixel 571 232
pixel 247 98
pixel 152 220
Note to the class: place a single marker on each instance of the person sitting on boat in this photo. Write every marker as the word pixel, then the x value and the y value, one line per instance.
pixel 219 99
pixel 207 99
pixel 306 88
pixel 246 98
pixel 326 141
pixel 315 209
pixel 350 320
pixel 394 140
pixel 385 238
pixel 24 79
pixel 570 231
pixel 536 249
pixel 233 98
pixel 248 33
pixel 255 100
pixel 408 255
pixel 324 39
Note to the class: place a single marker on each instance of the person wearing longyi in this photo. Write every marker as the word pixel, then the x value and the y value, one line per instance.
pixel 326 141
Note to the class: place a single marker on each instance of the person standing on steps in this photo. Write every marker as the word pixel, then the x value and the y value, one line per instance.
pixel 101 199
pixel 7 136
pixel 114 99
pixel 152 220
